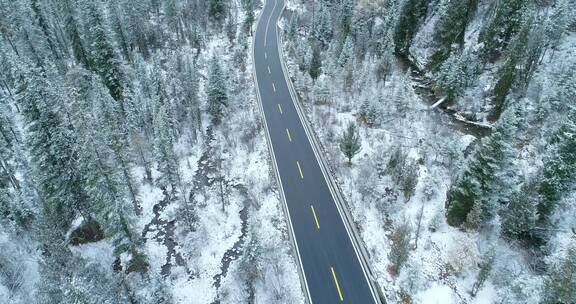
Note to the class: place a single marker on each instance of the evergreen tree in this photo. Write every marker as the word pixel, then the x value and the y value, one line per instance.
pixel 520 215
pixel 216 90
pixel 231 28
pixel 43 24
pixel 347 54
pixel 55 266
pixel 558 22
pixel 52 145
pixel 192 104
pixel 412 14
pixel 475 185
pixel 560 285
pixel 217 10
pixel 103 58
pixel 508 73
pixel 350 144
pixel 450 28
pixel 322 26
pixel 315 68
pixel 386 59
pixel 452 78
pixel 138 33
pixel 370 112
pixel 559 167
pixel 117 27
pixel 173 18
pixel 71 27
pixel 505 23
pixel 249 18
pixel 293 28
pixel 164 150
pixel 484 273
pixel 346 15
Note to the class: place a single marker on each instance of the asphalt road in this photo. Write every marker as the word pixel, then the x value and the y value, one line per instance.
pixel 331 266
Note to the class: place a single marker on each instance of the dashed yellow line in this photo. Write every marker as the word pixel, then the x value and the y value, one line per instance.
pixel 337 285
pixel 300 169
pixel 274 87
pixel 280 109
pixel 288 133
pixel 315 218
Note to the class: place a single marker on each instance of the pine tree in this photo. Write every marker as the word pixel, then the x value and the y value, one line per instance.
pixel 322 26
pixel 350 144
pixel 51 143
pixel 217 10
pixel 231 28
pixel 412 14
pixel 505 23
pixel 386 59
pixel 293 28
pixel 558 22
pixel 508 73
pixel 138 33
pixel 520 215
pixel 119 33
pixel 450 28
pixel 315 68
pixel 346 15
pixel 173 18
pixel 191 102
pixel 484 273
pixel 71 27
pixel 476 184
pixel 55 266
pixel 41 22
pixel 216 90
pixel 559 167
pixel 347 54
pixel 249 18
pixel 103 58
pixel 164 150
pixel 369 109
pixel 560 286
pixel 452 78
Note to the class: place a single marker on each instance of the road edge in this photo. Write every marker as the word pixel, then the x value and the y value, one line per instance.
pixel 335 190
pixel 292 236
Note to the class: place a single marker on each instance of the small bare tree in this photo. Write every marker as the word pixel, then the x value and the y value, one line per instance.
pixel 400 248
pixel 418 226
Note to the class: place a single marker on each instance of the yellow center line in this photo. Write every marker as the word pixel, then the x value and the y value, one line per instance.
pixel 300 170
pixel 269 72
pixel 337 285
pixel 274 87
pixel 315 218
pixel 280 108
pixel 288 133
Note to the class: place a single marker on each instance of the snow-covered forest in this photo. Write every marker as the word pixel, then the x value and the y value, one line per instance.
pixel 134 166
pixel 460 122
pixel 133 162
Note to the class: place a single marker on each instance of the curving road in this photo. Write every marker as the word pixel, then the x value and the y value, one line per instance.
pixel 332 272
